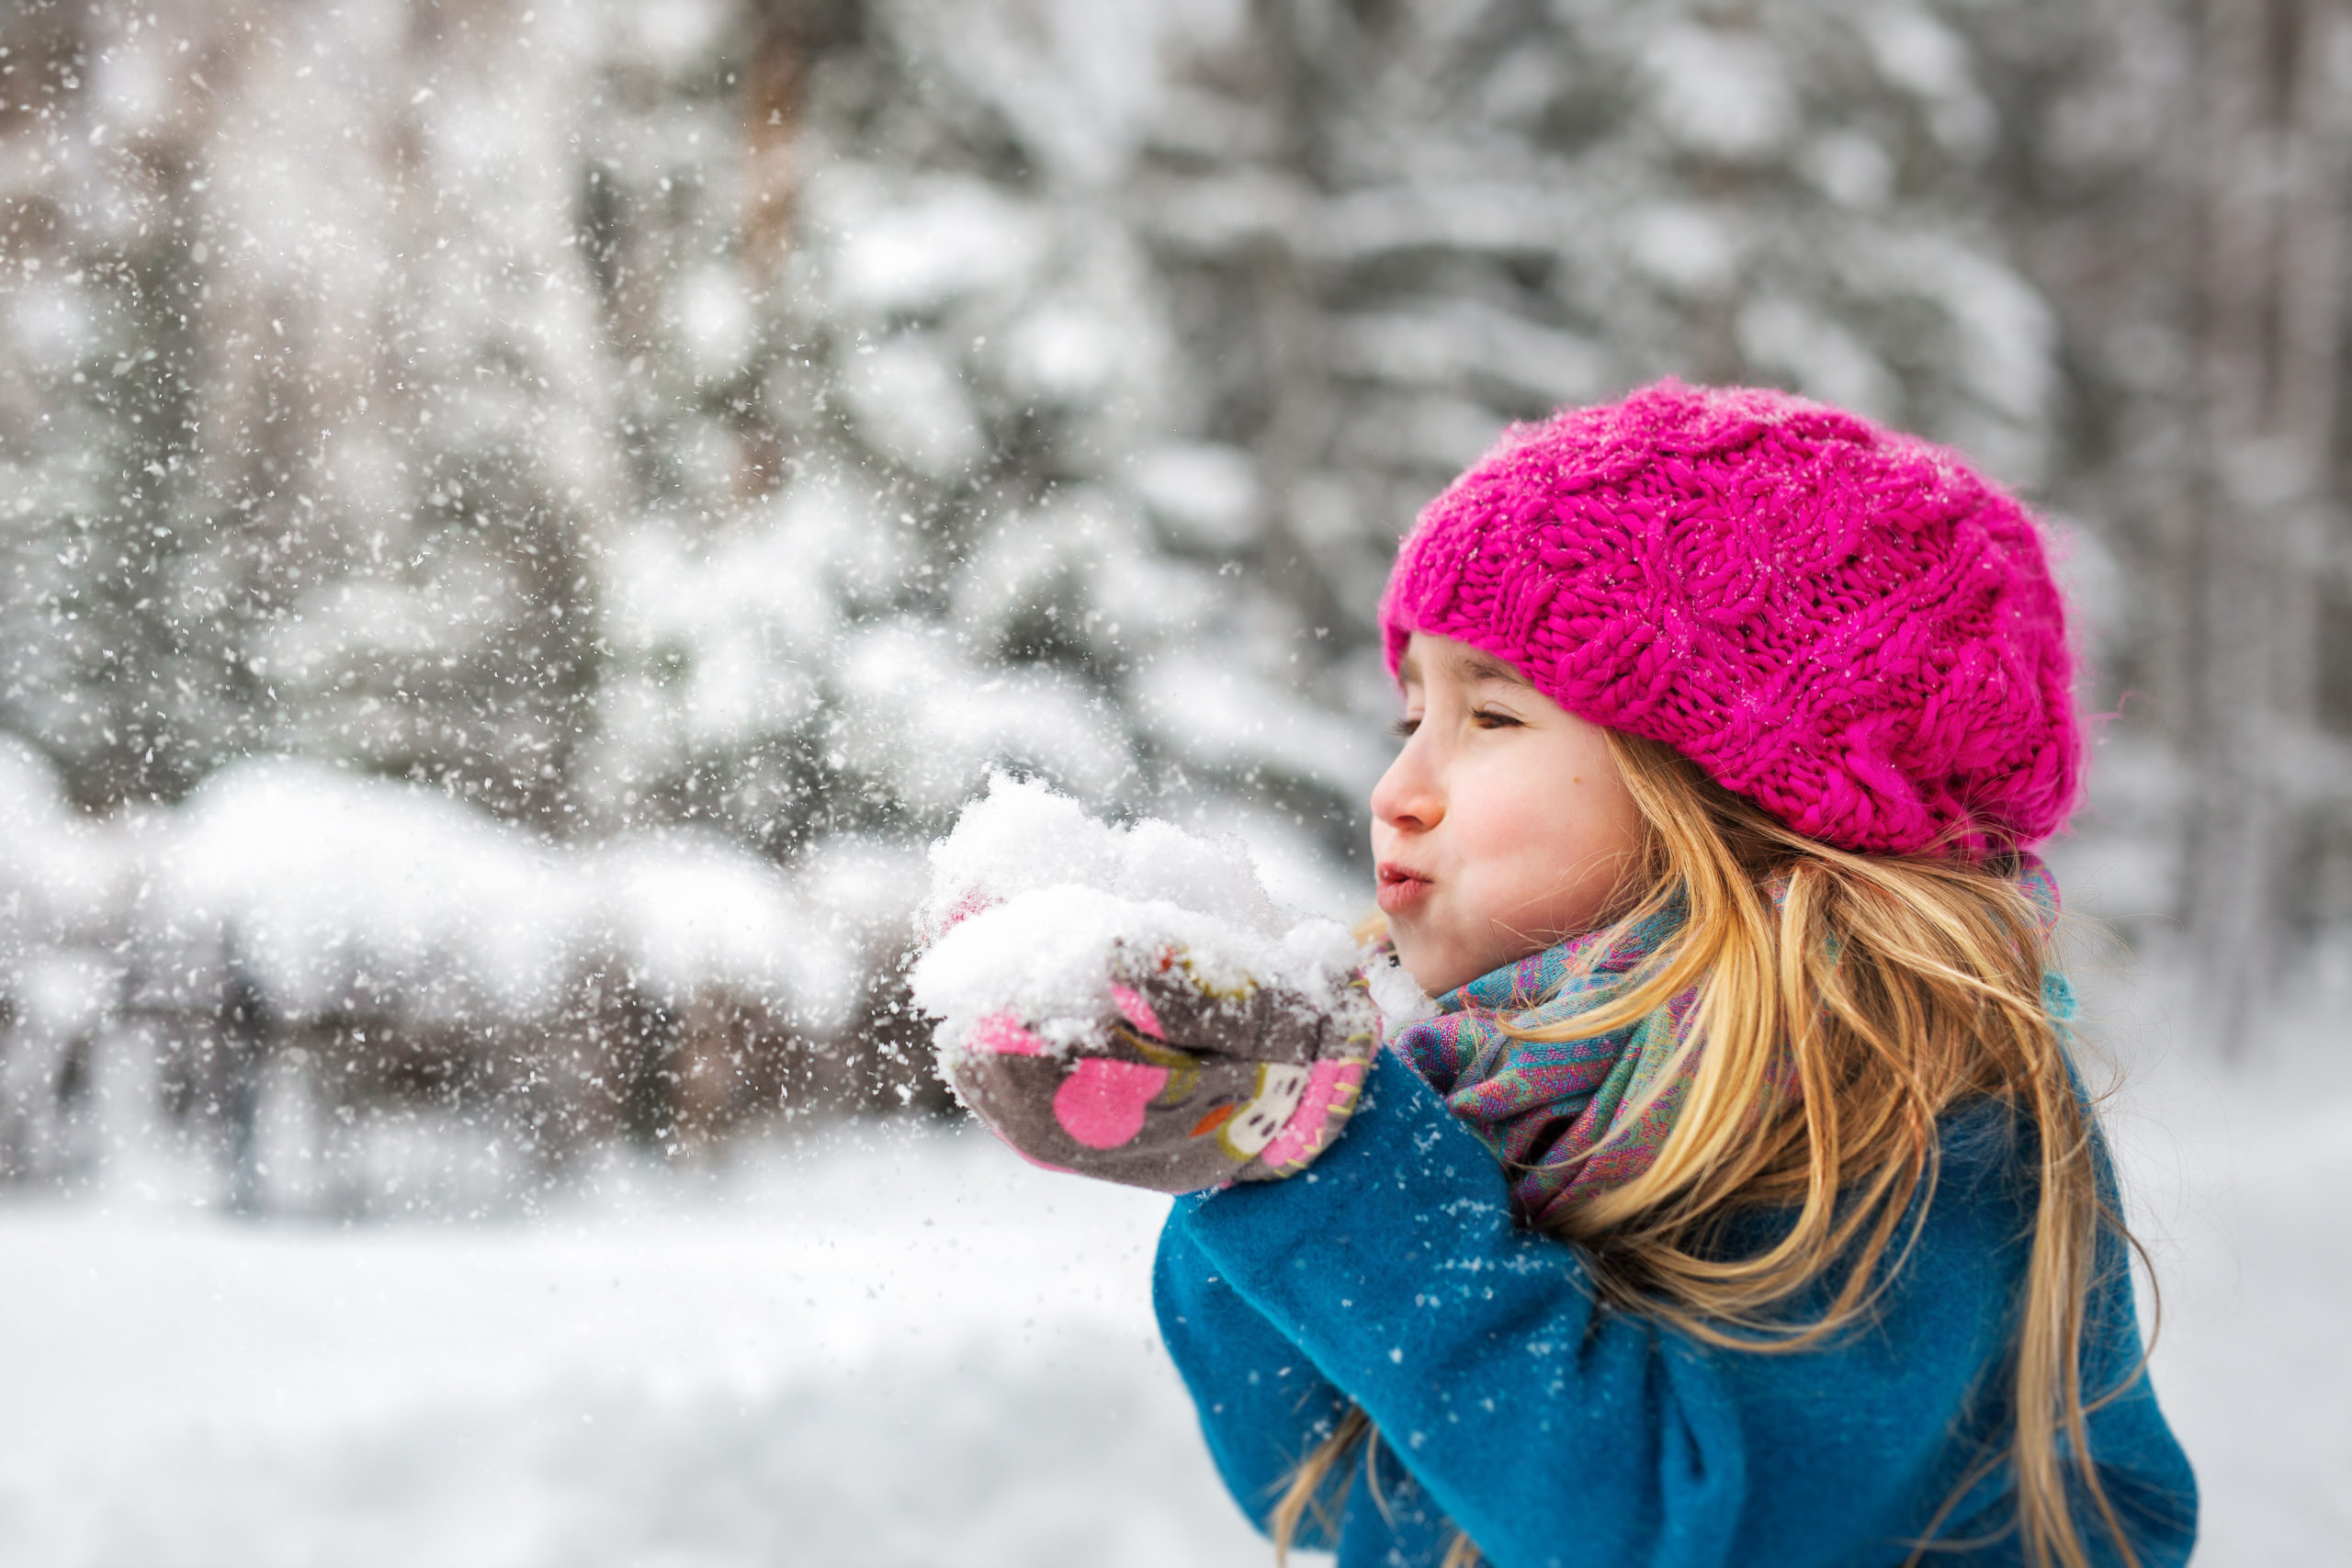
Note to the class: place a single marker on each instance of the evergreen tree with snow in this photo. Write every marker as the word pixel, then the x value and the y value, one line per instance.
pixel 766 418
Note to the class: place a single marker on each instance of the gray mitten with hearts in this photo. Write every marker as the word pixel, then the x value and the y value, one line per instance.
pixel 1099 1025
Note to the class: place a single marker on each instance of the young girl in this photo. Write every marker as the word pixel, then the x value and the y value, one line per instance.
pixel 1735 1203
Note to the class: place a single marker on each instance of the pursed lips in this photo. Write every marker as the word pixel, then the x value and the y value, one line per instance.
pixel 1400 887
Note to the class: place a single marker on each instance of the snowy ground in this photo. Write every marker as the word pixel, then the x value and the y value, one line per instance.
pixel 896 1346
pixel 2237 1177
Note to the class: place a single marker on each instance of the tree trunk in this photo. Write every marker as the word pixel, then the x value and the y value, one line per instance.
pixel 2271 177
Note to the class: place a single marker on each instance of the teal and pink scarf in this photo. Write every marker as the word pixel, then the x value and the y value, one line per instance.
pixel 1570 1118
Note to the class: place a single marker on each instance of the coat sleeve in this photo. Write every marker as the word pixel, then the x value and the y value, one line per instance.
pixel 1263 1406
pixel 1553 1431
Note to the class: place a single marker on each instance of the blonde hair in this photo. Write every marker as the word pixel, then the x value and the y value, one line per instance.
pixel 1843 1003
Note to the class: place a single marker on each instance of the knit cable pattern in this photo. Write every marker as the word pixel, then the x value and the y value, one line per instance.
pixel 1848 625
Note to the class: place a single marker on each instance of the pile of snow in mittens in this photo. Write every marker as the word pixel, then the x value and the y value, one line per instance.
pixel 1128 1002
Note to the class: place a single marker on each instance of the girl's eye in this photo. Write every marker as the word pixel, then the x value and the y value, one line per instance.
pixel 1403 728
pixel 1488 718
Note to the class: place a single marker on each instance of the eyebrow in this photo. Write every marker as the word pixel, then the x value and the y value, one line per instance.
pixel 1474 666
pixel 1478 666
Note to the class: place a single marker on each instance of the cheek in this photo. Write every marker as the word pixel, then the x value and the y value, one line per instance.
pixel 1517 823
pixel 1556 847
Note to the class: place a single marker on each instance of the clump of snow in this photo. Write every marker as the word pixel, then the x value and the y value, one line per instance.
pixel 1037 909
pixel 865 888
pixel 1720 94
pixel 1401 1001
pixel 1684 247
pixel 1925 58
pixel 61 877
pixel 916 246
pixel 1208 494
pixel 1229 717
pixel 690 913
pixel 333 892
pixel 331 889
pixel 910 404
pixel 933 722
pixel 1824 358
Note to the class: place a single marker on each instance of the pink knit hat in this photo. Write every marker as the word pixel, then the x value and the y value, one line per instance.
pixel 1847 625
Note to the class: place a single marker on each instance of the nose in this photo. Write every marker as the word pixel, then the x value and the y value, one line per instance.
pixel 1409 799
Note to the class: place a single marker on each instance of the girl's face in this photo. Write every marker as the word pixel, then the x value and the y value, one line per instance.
pixel 1503 825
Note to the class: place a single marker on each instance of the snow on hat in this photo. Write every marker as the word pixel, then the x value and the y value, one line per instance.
pixel 1847 625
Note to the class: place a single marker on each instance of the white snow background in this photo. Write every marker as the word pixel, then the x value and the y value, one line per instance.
pixel 893 1343
pixel 890 1343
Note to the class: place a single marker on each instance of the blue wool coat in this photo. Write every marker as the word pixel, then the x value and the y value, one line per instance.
pixel 1556 1432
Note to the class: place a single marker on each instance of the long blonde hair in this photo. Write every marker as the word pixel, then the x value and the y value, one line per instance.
pixel 1844 1002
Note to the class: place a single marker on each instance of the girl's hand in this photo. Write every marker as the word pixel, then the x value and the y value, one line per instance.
pixel 1181 1085
pixel 1128 1002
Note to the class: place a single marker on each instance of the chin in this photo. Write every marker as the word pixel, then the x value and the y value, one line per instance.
pixel 1433 975
pixel 1410 956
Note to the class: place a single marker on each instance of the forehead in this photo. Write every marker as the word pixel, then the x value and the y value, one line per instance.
pixel 1427 657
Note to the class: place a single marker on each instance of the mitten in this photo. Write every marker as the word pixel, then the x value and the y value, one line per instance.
pixel 1127 1003
pixel 1181 1085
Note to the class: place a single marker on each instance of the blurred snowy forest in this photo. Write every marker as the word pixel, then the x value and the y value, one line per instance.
pixel 520 515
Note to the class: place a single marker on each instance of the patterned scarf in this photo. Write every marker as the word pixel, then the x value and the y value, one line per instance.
pixel 1567 1117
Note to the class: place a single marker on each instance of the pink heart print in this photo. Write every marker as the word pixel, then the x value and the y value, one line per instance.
pixel 1102 1104
pixel 1260 1086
